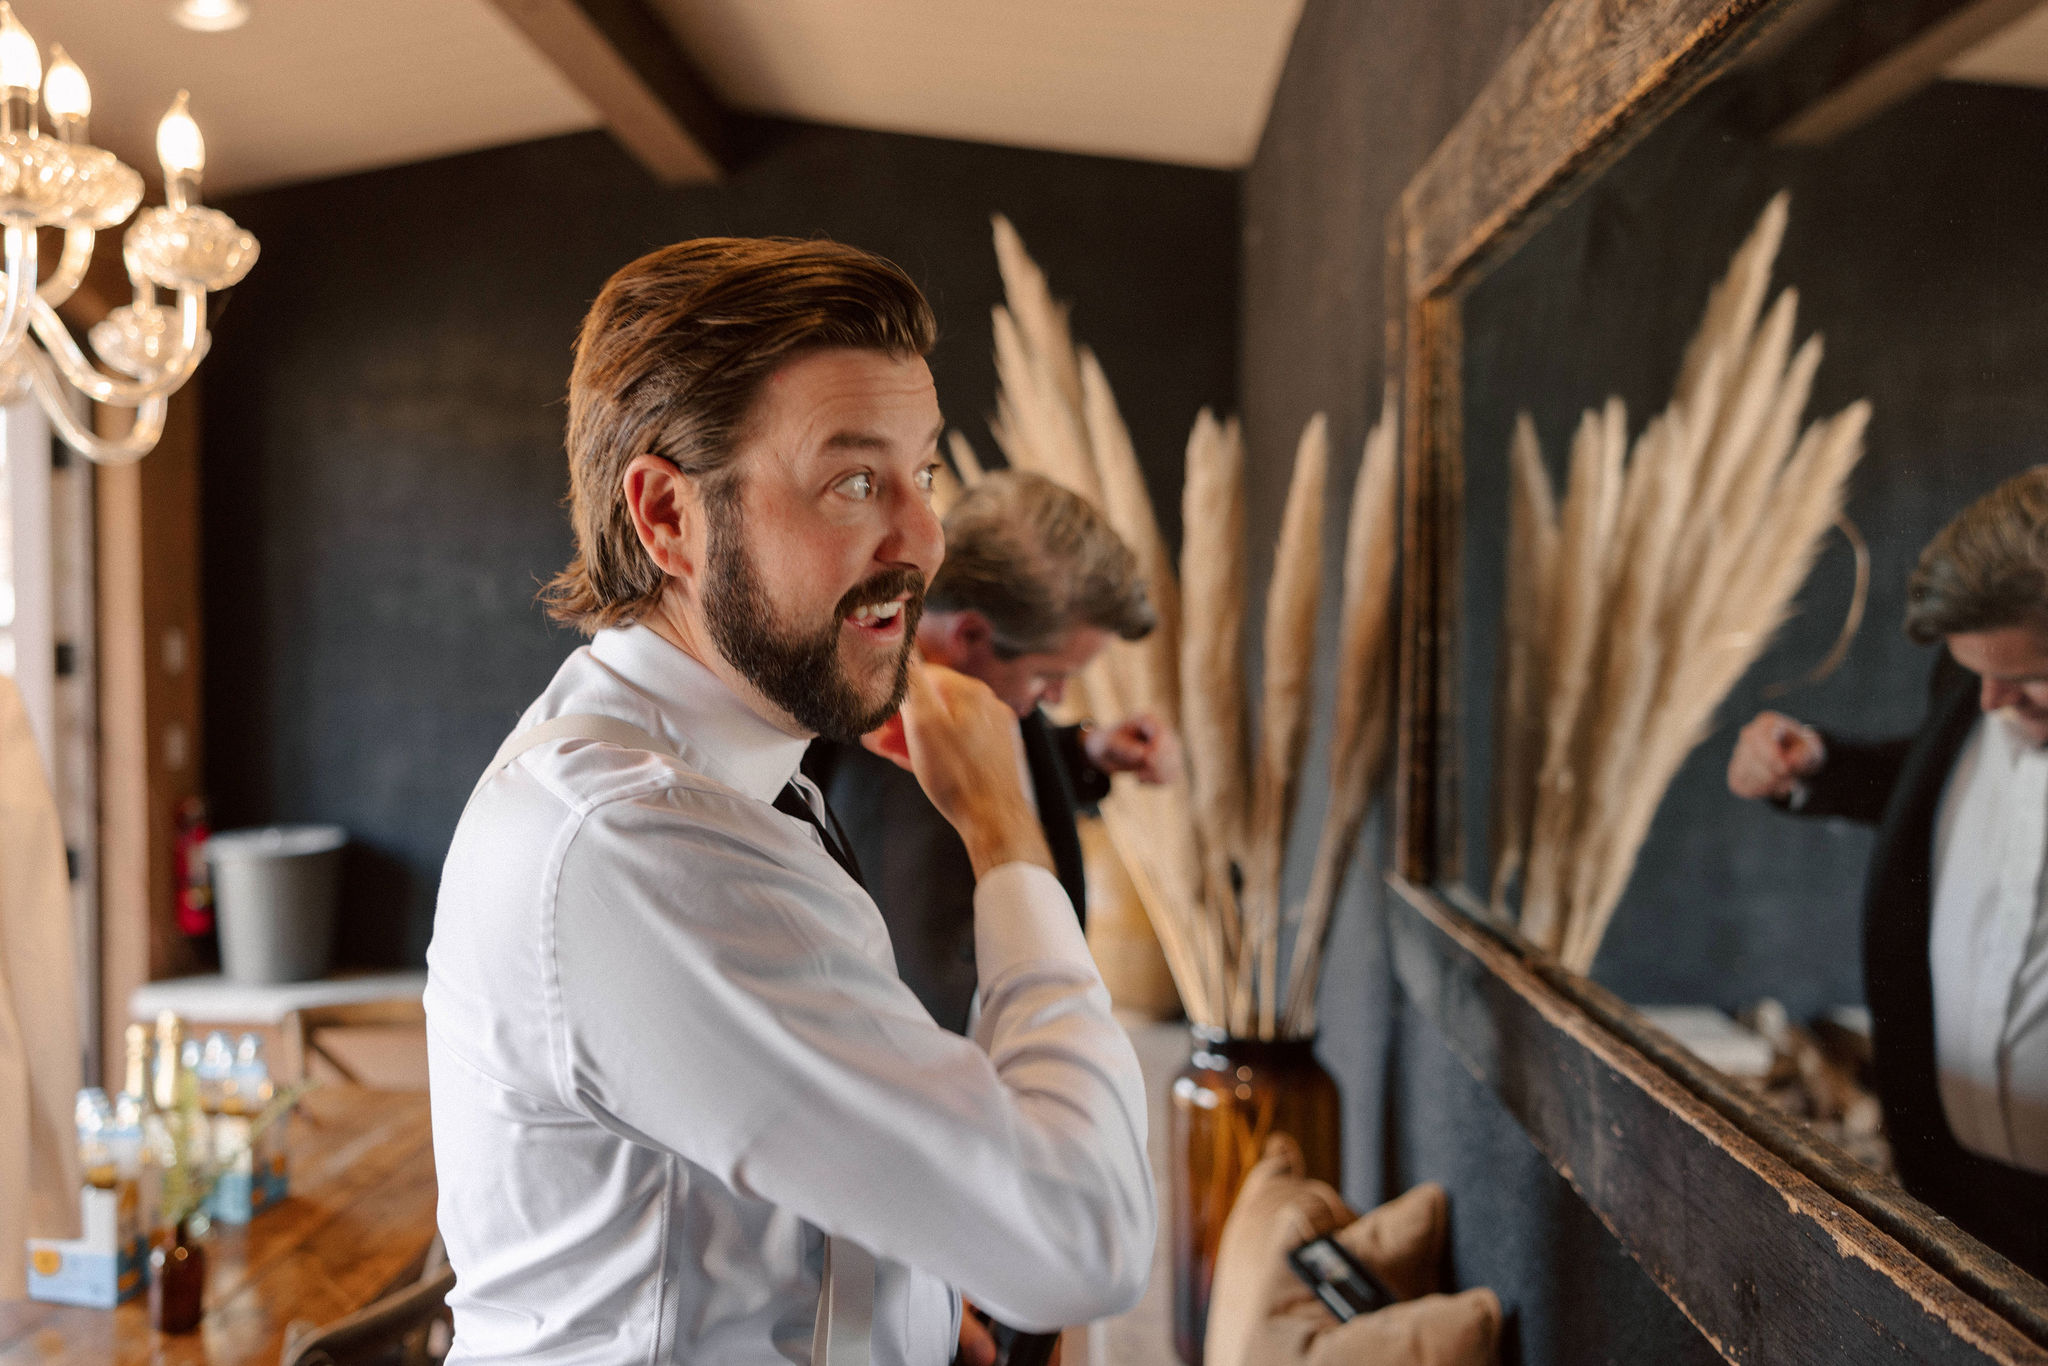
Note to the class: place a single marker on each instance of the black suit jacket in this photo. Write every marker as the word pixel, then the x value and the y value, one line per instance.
pixel 1897 786
pixel 916 867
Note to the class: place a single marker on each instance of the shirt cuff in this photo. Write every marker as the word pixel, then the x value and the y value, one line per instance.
pixel 1021 913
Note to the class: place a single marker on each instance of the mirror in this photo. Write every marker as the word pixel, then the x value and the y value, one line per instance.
pixel 1913 239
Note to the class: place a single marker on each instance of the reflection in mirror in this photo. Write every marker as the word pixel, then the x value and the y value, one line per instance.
pixel 1647 494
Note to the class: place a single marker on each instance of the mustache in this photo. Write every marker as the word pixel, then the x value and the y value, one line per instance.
pixel 886 586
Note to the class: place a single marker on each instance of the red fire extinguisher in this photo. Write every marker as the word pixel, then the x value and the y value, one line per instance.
pixel 189 873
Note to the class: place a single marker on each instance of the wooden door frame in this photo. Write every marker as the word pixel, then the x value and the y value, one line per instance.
pixel 1772 1241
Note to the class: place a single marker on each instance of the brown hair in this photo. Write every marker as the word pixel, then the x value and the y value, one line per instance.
pixel 1987 569
pixel 1036 560
pixel 669 361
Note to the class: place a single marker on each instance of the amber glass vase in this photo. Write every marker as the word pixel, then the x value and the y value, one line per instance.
pixel 1233 1095
pixel 177 1282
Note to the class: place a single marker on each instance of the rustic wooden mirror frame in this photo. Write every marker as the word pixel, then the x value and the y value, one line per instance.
pixel 1778 1246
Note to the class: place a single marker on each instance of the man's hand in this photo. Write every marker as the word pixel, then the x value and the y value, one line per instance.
pixel 1141 745
pixel 977 1344
pixel 1773 755
pixel 961 742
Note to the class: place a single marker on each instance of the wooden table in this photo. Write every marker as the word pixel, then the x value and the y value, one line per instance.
pixel 360 1213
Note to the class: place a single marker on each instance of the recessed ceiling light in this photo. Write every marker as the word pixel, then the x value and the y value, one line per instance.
pixel 210 16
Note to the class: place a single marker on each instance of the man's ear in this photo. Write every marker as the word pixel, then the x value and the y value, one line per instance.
pixel 668 515
pixel 971 629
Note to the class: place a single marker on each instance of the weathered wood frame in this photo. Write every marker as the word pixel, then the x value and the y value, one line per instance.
pixel 1778 1246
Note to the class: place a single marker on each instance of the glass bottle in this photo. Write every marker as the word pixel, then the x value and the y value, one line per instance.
pixel 94 1117
pixel 214 1066
pixel 1232 1095
pixel 251 1082
pixel 169 1030
pixel 177 1282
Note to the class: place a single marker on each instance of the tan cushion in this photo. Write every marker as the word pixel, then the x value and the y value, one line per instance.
pixel 1260 1313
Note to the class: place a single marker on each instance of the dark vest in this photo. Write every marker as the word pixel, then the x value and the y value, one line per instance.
pixel 916 867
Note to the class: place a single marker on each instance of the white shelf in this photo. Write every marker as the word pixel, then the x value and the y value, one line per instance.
pixel 213 998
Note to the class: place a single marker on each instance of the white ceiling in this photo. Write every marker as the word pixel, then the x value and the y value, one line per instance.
pixel 310 88
pixel 316 88
pixel 2016 55
pixel 1185 81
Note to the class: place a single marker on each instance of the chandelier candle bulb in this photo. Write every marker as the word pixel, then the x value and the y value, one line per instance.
pixel 21 74
pixel 182 152
pixel 66 96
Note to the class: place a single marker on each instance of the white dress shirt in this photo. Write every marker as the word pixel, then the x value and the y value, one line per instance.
pixel 1988 946
pixel 668 1045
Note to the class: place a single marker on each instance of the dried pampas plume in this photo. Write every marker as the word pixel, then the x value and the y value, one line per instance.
pixel 1188 845
pixel 1636 606
pixel 1364 709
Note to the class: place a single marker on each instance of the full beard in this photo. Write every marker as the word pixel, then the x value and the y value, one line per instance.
pixel 801 671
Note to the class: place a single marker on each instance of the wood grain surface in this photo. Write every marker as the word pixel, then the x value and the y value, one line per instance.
pixel 360 1214
pixel 1591 77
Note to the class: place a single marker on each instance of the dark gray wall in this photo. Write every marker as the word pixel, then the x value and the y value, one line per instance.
pixel 1917 250
pixel 1368 91
pixel 383 463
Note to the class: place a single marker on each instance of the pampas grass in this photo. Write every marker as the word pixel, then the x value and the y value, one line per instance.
pixel 1292 596
pixel 1364 708
pixel 1518 726
pixel 1212 702
pixel 1189 845
pixel 1636 607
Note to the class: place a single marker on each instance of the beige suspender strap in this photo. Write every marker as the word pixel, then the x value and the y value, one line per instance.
pixel 846 1291
pixel 587 726
pixel 846 1306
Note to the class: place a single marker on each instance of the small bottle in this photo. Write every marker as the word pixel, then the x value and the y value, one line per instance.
pixel 164 1086
pixel 214 1068
pixel 94 1116
pixel 251 1082
pixel 135 1082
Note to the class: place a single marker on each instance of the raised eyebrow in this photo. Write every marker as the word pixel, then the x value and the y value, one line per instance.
pixel 856 441
pixel 873 441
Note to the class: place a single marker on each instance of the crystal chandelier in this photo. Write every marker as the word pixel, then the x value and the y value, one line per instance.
pixel 58 180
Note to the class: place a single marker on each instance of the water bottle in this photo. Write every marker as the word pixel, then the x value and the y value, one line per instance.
pixel 251 1080
pixel 216 1066
pixel 94 1117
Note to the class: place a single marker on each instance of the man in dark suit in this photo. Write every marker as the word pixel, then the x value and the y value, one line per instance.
pixel 1034 584
pixel 1955 940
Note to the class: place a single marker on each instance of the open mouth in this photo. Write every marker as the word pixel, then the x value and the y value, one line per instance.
pixel 878 619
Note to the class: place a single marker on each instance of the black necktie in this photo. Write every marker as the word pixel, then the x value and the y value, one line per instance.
pixel 791 802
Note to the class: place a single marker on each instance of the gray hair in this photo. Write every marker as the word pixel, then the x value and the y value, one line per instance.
pixel 1036 561
pixel 1987 569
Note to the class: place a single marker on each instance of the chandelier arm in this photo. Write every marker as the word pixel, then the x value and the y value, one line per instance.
pixel 21 275
pixel 101 388
pixel 55 399
pixel 71 267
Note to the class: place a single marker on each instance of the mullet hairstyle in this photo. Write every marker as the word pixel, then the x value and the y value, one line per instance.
pixel 669 362
pixel 1036 560
pixel 1987 569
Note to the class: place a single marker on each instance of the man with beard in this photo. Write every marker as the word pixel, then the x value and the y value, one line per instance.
pixel 684 1108
pixel 1955 921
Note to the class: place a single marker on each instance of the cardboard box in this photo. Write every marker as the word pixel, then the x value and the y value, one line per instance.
pixel 107 1265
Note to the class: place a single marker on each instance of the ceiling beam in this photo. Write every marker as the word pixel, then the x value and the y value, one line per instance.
pixel 1881 63
pixel 645 88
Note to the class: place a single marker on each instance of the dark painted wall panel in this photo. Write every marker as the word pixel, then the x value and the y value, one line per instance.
pixel 1368 91
pixel 383 459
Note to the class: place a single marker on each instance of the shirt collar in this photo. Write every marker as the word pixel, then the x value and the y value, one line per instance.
pixel 718 734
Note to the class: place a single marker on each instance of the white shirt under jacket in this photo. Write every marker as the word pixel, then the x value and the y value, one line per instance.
pixel 1988 946
pixel 668 1046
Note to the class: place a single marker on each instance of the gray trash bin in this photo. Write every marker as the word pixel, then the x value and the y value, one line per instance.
pixel 274 890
